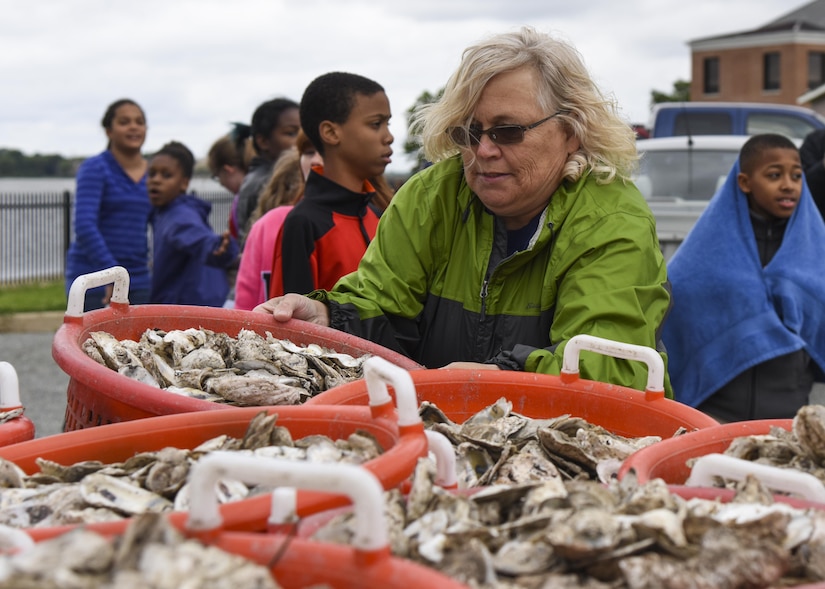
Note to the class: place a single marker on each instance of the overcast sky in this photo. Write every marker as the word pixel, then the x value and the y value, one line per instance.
pixel 196 65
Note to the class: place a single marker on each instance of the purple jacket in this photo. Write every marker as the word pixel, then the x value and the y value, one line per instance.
pixel 185 269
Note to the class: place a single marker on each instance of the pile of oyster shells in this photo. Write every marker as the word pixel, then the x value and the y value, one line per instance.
pixel 151 554
pixel 154 482
pixel 583 533
pixel 250 370
pixel 499 446
pixel 801 448
pixel 538 507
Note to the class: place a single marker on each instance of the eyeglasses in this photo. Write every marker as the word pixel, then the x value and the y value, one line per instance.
pixel 499 134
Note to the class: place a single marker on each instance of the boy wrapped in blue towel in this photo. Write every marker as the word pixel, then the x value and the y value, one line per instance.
pixel 746 334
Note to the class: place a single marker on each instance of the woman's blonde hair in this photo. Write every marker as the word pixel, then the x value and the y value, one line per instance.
pixel 607 143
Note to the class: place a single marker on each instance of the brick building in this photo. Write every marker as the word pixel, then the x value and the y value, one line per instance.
pixel 782 62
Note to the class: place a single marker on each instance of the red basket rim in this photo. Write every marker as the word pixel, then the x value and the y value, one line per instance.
pixel 102 381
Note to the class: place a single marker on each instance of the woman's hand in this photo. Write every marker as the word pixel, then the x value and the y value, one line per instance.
pixel 295 306
pixel 469 366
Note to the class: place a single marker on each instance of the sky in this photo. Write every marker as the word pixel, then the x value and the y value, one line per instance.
pixel 197 65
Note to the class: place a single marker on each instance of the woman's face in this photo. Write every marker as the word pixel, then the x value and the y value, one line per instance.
pixel 230 177
pixel 310 157
pixel 516 181
pixel 283 135
pixel 128 129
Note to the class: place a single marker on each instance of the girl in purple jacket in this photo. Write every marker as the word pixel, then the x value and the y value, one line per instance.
pixel 189 258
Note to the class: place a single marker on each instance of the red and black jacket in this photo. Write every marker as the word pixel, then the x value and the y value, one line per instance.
pixel 323 237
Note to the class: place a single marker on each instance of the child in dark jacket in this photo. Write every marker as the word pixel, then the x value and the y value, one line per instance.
pixel 746 334
pixel 346 117
pixel 190 259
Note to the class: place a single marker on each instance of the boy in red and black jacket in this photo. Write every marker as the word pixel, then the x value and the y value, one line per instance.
pixel 346 117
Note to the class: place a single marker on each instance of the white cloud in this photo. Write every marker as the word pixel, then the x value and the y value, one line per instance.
pixel 197 65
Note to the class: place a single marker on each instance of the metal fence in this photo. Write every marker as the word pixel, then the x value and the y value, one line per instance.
pixel 35 232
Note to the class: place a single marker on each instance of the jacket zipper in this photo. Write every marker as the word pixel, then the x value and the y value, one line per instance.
pixel 483 295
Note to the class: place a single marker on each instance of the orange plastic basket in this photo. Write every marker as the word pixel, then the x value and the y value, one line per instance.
pixel 296 563
pixel 667 460
pixel 307 563
pixel 20 428
pixel 97 395
pixel 368 562
pixel 621 410
pixel 117 442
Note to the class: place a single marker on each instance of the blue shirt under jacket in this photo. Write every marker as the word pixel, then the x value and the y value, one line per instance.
pixel 185 270
pixel 111 214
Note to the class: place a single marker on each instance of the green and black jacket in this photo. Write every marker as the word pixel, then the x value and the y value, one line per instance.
pixel 436 284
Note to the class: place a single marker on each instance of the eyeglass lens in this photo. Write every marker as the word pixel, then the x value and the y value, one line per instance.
pixel 502 134
pixel 499 134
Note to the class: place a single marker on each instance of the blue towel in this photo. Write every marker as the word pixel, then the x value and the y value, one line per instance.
pixel 729 313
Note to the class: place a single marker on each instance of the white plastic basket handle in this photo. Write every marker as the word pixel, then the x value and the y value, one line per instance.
pixel 444 453
pixel 15 539
pixel 787 480
pixel 591 343
pixel 378 373
pixel 9 387
pixel 77 293
pixel 358 483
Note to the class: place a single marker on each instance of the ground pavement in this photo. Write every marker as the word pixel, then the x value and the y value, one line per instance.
pixel 26 343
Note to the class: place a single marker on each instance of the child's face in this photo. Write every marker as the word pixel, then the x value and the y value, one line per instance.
pixel 310 157
pixel 365 137
pixel 128 129
pixel 775 184
pixel 230 177
pixel 282 137
pixel 166 180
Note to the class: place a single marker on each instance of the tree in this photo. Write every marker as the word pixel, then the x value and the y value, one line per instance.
pixel 680 93
pixel 412 146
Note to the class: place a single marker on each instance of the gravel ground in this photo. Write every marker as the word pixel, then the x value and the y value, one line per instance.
pixel 43 383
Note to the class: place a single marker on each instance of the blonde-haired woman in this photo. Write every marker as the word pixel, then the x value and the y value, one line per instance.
pixel 524 233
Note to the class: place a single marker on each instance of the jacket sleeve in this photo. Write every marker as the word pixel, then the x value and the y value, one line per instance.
pixel 298 262
pixel 200 242
pixel 91 185
pixel 382 301
pixel 616 288
pixel 248 279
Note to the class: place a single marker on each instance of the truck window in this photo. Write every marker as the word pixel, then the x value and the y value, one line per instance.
pixel 686 174
pixel 788 125
pixel 702 123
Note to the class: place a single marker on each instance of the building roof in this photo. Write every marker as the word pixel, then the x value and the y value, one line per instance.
pixel 812 12
pixel 807 18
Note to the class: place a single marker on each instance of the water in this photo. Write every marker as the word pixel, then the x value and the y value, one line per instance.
pixel 33 230
pixel 40 185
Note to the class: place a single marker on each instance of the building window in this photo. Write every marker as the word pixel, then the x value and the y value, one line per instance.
pixel 711 75
pixel 771 71
pixel 816 69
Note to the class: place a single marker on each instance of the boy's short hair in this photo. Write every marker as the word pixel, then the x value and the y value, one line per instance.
pixel 754 147
pixel 181 153
pixel 331 97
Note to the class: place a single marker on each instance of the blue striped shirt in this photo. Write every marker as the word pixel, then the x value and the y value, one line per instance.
pixel 111 216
